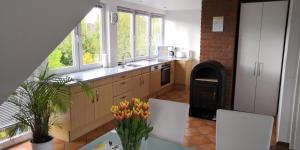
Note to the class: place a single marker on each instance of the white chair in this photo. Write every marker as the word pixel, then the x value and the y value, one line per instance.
pixel 168 119
pixel 243 131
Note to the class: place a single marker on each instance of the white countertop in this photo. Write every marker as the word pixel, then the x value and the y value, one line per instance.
pixel 99 73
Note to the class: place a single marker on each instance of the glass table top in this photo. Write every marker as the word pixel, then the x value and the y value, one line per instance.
pixel 153 143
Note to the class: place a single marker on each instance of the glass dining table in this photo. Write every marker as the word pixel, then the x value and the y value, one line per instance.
pixel 152 143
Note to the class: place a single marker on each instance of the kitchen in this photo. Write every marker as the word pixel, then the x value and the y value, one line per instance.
pixel 151 50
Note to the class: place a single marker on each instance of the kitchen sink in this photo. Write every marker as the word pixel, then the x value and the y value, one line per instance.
pixel 133 65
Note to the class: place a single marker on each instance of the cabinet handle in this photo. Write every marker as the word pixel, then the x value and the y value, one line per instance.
pixel 123 97
pixel 255 68
pixel 260 65
pixel 122 83
pixel 141 81
pixel 97 96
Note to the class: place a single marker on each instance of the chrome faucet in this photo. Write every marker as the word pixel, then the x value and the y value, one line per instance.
pixel 123 59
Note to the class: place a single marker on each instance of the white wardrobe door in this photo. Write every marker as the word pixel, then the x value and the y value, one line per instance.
pixel 248 47
pixel 270 56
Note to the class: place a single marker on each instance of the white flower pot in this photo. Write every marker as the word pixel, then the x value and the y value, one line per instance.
pixel 43 146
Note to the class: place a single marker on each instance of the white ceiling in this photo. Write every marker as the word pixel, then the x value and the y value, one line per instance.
pixel 170 4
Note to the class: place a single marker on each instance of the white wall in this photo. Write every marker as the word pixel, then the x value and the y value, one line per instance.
pixel 289 77
pixel 182 29
pixel 29 31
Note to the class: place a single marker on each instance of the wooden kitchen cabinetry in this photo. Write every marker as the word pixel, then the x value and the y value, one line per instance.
pixel 182 73
pixel 132 84
pixel 141 85
pixel 103 101
pixel 86 114
pixel 155 78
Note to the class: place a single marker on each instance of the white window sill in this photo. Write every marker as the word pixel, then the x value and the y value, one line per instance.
pixel 15 140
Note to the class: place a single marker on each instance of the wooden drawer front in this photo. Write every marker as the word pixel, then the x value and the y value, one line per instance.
pixel 76 88
pixel 121 77
pixel 121 87
pixel 135 73
pixel 145 70
pixel 101 82
pixel 125 96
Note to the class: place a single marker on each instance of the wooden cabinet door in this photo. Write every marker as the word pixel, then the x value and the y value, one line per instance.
pixel 145 86
pixel 82 110
pixel 136 83
pixel 104 100
pixel 155 79
pixel 172 77
pixel 180 73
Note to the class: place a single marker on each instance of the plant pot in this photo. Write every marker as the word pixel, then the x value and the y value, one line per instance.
pixel 43 146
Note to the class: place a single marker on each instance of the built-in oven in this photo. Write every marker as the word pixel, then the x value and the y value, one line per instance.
pixel 165 74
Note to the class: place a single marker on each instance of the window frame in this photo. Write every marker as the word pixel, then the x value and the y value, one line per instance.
pixel 75 65
pixel 149 30
pixel 77 51
pixel 16 140
pixel 150 15
pixel 132 36
pixel 94 65
pixel 162 33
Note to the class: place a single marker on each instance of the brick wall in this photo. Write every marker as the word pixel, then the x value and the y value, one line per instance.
pixel 220 46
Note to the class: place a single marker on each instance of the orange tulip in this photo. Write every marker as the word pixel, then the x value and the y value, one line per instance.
pixel 124 105
pixel 114 109
pixel 145 106
pixel 137 112
pixel 127 113
pixel 145 115
pixel 119 116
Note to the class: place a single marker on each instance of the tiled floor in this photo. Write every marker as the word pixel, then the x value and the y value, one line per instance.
pixel 200 134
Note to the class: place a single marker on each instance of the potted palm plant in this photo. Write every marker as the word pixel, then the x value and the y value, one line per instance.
pixel 39 102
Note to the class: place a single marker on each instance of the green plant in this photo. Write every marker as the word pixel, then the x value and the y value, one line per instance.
pixel 40 101
pixel 132 124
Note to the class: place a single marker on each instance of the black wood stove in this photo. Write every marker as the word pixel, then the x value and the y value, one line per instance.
pixel 207 89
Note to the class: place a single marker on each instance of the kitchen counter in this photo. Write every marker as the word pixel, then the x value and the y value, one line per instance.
pixel 98 73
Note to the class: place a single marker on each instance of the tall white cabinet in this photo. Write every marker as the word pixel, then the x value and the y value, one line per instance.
pixel 260 52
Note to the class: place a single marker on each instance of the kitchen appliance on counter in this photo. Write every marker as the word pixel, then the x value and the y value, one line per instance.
pixel 165 52
pixel 180 54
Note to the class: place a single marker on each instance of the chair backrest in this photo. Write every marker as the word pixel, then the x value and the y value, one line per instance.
pixel 243 131
pixel 168 119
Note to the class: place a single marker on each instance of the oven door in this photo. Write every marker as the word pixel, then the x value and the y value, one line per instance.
pixel 165 76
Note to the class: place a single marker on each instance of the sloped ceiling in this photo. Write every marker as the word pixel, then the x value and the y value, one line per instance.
pixel 29 31
pixel 170 4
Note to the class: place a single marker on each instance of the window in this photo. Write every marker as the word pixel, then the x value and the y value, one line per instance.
pixel 138 34
pixel 7 111
pixel 141 36
pixel 91 37
pixel 156 35
pixel 124 35
pixel 82 48
pixel 62 56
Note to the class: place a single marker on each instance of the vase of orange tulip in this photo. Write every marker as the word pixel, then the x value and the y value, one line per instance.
pixel 132 125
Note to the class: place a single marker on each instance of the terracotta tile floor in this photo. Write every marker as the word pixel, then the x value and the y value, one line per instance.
pixel 200 134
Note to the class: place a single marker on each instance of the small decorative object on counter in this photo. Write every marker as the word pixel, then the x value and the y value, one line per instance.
pixel 132 125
